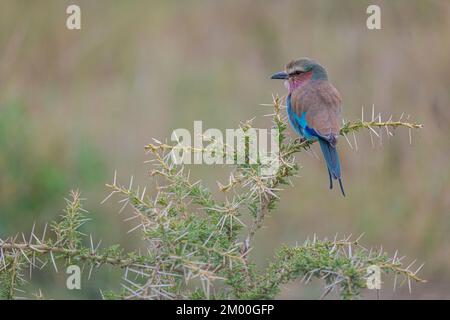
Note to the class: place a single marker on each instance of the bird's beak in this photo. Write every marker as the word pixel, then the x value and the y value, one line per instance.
pixel 280 75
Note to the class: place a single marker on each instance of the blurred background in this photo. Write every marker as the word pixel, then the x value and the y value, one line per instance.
pixel 77 105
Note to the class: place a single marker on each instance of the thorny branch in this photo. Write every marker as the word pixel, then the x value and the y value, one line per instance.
pixel 194 246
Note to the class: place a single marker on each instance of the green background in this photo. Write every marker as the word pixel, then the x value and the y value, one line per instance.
pixel 77 105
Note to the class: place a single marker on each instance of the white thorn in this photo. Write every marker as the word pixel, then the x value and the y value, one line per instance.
pixel 376 133
pixel 43 234
pixel 92 244
pixel 53 260
pixel 348 141
pixel 107 197
pixel 131 183
pixel 32 233
pixel 354 139
pixel 143 193
pixel 420 268
pixel 409 285
pixel 115 177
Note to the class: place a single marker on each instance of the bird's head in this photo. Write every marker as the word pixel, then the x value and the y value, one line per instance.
pixel 298 72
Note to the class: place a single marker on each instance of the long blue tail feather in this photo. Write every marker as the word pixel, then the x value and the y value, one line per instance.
pixel 331 179
pixel 332 159
pixel 342 187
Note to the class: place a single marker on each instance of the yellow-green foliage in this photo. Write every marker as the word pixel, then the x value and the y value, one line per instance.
pixel 197 247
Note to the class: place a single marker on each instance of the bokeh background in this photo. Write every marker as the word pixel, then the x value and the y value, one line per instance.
pixel 77 105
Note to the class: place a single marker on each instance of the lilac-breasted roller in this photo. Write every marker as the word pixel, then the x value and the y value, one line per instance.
pixel 314 107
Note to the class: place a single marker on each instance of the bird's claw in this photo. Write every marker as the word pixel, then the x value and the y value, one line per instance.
pixel 303 140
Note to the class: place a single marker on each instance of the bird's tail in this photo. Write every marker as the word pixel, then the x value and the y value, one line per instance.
pixel 332 159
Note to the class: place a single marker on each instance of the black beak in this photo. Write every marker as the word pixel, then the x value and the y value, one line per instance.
pixel 280 75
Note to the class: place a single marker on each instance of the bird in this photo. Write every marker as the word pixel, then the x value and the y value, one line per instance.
pixel 314 107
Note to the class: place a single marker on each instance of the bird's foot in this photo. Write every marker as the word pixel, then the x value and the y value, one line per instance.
pixel 302 141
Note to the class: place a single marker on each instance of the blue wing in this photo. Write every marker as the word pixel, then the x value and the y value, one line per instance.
pixel 300 124
pixel 327 144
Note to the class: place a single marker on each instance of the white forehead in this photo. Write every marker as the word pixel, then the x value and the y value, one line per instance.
pixel 294 68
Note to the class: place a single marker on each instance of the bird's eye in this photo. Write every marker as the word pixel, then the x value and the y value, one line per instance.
pixel 296 73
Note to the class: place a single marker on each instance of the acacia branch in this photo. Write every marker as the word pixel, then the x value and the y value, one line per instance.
pixel 292 147
pixel 13 249
pixel 191 235
pixel 341 264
